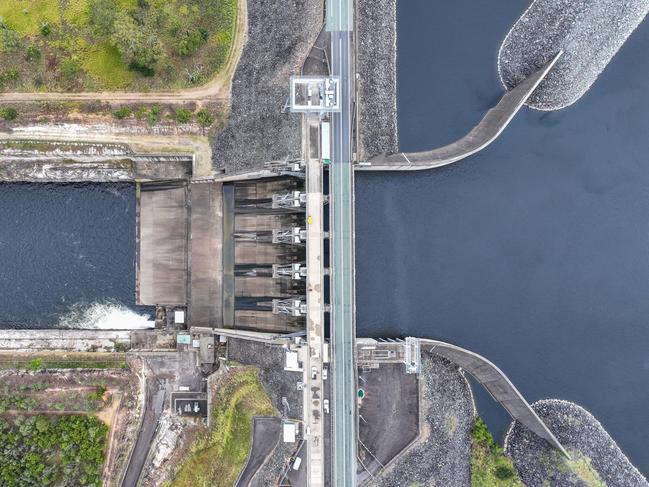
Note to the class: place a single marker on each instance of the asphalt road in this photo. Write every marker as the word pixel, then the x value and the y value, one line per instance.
pixel 155 404
pixel 343 331
pixel 266 433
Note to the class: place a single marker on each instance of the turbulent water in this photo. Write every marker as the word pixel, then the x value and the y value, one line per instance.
pixel 104 316
pixel 67 256
pixel 534 252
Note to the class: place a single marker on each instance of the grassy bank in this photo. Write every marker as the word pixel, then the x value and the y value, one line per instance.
pixel 75 45
pixel 43 361
pixel 489 465
pixel 40 451
pixel 219 455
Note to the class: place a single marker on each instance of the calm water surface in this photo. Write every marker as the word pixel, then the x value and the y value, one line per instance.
pixel 64 247
pixel 535 252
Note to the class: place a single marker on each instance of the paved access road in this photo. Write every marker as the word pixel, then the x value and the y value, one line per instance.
pixel 343 330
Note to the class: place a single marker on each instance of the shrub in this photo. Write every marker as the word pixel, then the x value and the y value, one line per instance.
pixel 154 115
pixel 8 114
pixel 37 363
pixel 9 75
pixel 70 69
pixel 46 30
pixel 183 115
pixel 204 117
pixel 102 15
pixel 192 42
pixel 504 472
pixel 9 39
pixel 98 394
pixel 122 113
pixel 33 53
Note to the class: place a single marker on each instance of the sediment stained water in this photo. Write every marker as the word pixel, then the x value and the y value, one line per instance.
pixel 534 253
pixel 67 255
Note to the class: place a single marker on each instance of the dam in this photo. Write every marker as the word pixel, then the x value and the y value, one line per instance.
pixel 533 252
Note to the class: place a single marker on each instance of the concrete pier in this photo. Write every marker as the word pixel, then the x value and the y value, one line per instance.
pixel 162 245
pixel 483 134
pixel 206 259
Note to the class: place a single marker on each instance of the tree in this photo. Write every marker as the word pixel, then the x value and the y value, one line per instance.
pixel 138 45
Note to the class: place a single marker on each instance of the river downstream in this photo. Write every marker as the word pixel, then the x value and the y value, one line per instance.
pixel 535 252
pixel 68 256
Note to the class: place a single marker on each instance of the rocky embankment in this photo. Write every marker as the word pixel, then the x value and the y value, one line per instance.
pixel 377 82
pixel 280 35
pixel 595 457
pixel 589 32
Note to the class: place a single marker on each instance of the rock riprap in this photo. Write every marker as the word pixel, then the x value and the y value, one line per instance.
pixel 595 457
pixel 589 32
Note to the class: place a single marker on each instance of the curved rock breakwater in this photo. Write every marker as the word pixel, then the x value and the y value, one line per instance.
pixel 595 457
pixel 589 32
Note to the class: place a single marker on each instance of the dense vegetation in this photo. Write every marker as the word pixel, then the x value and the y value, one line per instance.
pixel 41 451
pixel 113 44
pixel 489 466
pixel 218 457
pixel 35 362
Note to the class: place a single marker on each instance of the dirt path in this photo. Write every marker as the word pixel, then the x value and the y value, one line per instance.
pixel 218 89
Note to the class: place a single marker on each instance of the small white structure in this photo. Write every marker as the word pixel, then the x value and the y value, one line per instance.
pixel 179 317
pixel 292 362
pixel 314 94
pixel 289 432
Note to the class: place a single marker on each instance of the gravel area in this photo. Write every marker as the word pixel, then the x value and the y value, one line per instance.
pixel 280 35
pixel 275 466
pixel 441 455
pixel 589 32
pixel 377 83
pixel 278 382
pixel 584 438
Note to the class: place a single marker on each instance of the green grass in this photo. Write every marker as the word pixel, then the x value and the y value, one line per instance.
pixel 489 465
pixel 77 12
pixel 104 64
pixel 217 458
pixel 36 362
pixel 27 17
pixel 582 467
pixel 579 465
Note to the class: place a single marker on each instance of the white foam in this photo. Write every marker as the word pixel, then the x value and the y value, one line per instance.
pixel 106 315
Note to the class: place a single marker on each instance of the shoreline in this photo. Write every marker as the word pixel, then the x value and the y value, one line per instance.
pixel 591 447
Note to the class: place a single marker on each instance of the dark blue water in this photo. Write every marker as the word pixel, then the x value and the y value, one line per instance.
pixel 535 252
pixel 63 246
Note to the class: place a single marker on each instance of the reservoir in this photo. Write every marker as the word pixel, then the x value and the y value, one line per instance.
pixel 535 252
pixel 67 253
